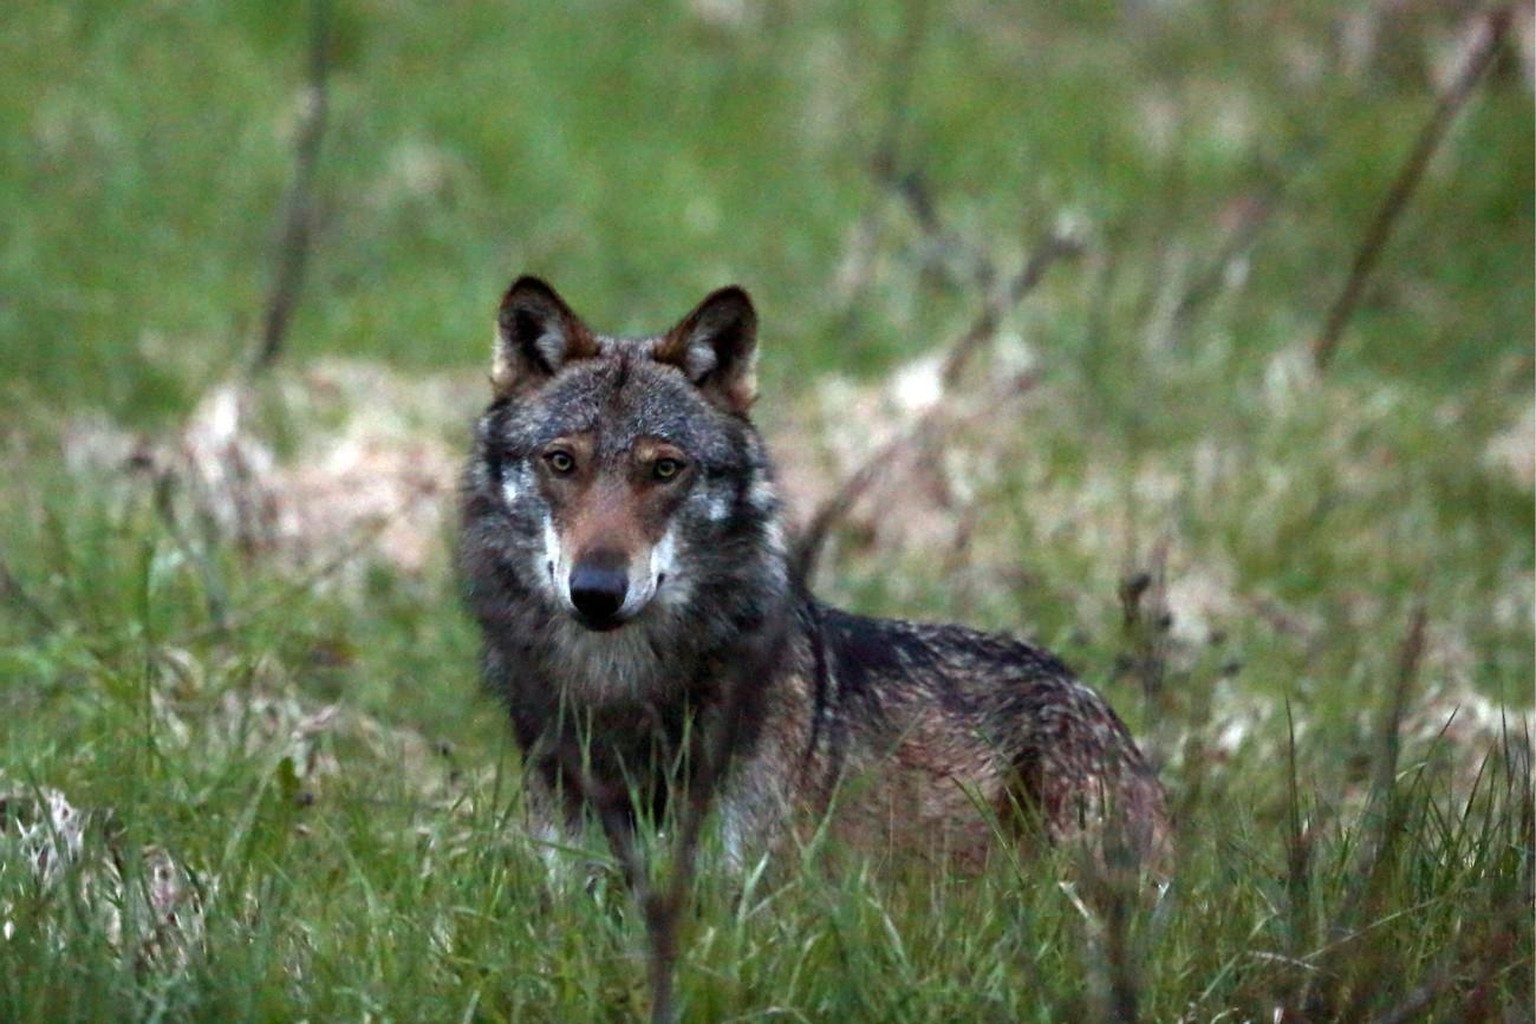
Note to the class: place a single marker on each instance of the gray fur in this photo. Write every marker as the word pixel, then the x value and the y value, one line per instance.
pixel 898 730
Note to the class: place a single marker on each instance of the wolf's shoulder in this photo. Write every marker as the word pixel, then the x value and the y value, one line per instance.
pixel 865 647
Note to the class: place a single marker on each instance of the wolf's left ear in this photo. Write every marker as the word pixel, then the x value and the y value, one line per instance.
pixel 716 347
pixel 536 334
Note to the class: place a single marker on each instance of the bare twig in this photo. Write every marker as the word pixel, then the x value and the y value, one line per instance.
pixel 1147 621
pixel 1496 950
pixel 299 212
pixel 360 542
pixel 1254 213
pixel 1054 246
pixel 1110 886
pixel 885 164
pixel 1387 804
pixel 1385 798
pixel 1495 25
pixel 944 255
pixel 662 905
pixel 16 595
pixel 1298 852
pixel 214 592
pixel 926 430
pixel 1410 655
pixel 663 910
pixel 930 425
pixel 1113 979
pixel 898 111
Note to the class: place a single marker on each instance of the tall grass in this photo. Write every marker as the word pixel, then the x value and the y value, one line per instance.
pixel 286 801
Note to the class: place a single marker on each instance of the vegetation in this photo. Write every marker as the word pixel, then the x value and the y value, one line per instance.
pixel 245 773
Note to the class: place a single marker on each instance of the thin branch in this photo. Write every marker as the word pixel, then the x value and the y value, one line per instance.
pixel 1410 656
pixel 1053 247
pixel 1495 25
pixel 943 255
pixel 662 905
pixel 1147 621
pixel 663 910
pixel 898 111
pixel 361 540
pixel 859 264
pixel 1320 993
pixel 927 429
pixel 1298 851
pixel 215 594
pixel 929 425
pixel 16 595
pixel 299 213
pixel 1255 214
pixel 1497 949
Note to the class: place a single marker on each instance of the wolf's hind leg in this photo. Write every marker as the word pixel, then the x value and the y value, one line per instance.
pixel 1083 779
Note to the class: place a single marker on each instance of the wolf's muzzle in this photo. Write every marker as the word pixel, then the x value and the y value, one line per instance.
pixel 599 585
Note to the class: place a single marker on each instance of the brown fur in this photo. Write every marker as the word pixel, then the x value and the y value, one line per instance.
pixel 625 555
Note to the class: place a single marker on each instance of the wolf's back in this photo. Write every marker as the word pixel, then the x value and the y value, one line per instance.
pixel 921 723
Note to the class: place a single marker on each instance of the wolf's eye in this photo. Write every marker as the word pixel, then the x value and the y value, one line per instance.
pixel 560 463
pixel 666 469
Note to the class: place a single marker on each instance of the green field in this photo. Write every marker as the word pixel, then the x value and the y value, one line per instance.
pixel 231 647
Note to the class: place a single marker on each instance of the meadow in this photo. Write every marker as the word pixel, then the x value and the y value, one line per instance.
pixel 1063 272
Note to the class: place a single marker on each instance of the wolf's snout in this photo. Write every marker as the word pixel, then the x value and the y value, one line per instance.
pixel 598 587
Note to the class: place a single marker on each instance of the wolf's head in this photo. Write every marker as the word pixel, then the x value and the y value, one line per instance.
pixel 618 481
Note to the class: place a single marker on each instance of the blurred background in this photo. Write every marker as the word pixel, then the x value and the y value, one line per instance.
pixel 1191 340
pixel 251 254
pixel 639 154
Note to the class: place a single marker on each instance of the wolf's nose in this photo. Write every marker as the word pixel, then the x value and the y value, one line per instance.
pixel 597 591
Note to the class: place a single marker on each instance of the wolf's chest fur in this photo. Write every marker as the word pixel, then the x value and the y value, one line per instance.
pixel 623 551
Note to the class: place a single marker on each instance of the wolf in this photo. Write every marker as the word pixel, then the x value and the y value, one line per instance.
pixel 624 551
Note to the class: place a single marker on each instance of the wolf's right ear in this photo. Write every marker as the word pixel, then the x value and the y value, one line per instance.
pixel 716 347
pixel 536 334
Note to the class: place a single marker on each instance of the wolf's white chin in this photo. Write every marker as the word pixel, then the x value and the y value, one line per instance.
pixel 607 664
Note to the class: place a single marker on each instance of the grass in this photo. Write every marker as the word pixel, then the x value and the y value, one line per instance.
pixel 282 743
